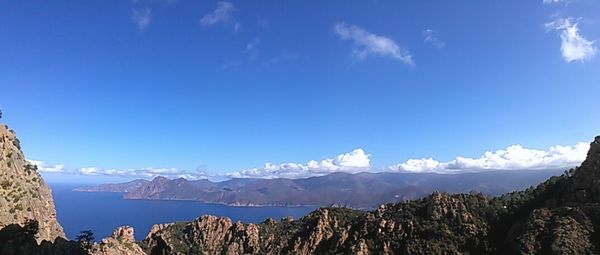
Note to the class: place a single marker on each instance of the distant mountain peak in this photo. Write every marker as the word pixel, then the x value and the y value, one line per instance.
pixel 159 179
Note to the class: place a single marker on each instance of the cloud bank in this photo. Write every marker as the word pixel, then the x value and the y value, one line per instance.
pixel 573 46
pixel 511 158
pixel 144 173
pixel 368 44
pixel 514 157
pixel 351 162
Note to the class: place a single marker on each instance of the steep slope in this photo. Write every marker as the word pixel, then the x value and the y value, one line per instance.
pixel 24 194
pixel 559 216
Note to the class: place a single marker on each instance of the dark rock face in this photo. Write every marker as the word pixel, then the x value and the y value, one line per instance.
pixel 559 216
pixel 585 184
pixel 16 240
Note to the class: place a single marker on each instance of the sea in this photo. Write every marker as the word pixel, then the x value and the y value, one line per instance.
pixel 102 212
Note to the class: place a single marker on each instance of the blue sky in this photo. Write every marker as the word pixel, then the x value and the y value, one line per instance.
pixel 228 86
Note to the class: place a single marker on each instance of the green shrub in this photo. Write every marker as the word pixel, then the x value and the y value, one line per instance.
pixel 85 239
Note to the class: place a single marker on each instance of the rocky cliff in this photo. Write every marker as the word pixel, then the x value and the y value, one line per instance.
pixel 121 242
pixel 24 194
pixel 559 216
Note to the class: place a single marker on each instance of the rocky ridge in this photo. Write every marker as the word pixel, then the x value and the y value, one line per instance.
pixel 121 242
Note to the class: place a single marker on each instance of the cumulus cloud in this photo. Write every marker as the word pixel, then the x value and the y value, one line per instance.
pixel 431 36
pixel 222 14
pixel 141 18
pixel 514 157
pixel 368 44
pixel 573 45
pixel 351 162
pixel 45 168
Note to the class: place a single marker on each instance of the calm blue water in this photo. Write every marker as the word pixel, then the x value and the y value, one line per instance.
pixel 103 212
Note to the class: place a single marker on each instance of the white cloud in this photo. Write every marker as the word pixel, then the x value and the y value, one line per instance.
pixel 573 46
pixel 514 157
pixel 43 167
pixel 351 162
pixel 146 173
pixel 141 18
pixel 431 36
pixel 222 14
pixel 367 44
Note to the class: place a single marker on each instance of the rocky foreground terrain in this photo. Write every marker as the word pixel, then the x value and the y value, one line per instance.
pixel 559 216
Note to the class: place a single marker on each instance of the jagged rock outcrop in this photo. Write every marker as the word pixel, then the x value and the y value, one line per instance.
pixel 157 227
pixel 209 234
pixel 23 193
pixel 559 216
pixel 122 242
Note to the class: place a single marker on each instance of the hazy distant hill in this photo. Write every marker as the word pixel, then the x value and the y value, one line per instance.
pixel 362 190
pixel 118 187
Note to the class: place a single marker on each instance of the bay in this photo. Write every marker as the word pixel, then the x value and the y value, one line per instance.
pixel 102 212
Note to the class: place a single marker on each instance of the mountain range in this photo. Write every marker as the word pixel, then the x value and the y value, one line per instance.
pixel 361 190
